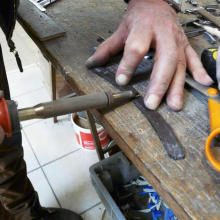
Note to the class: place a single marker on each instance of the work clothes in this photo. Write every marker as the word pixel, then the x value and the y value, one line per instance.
pixel 18 200
pixel 16 191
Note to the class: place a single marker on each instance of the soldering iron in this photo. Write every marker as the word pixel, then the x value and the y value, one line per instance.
pixel 10 116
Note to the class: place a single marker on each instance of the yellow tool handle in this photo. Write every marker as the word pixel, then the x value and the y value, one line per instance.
pixel 214 115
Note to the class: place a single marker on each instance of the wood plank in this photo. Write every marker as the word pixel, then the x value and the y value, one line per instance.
pixel 39 23
pixel 190 186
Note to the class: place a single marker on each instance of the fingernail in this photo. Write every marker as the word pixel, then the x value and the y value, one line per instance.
pixel 122 80
pixel 152 101
pixel 89 62
pixel 176 102
pixel 209 80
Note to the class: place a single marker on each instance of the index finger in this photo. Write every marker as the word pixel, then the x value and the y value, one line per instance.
pixel 136 47
pixel 107 49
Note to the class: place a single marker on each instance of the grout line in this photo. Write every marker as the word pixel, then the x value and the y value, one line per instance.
pixel 32 123
pixel 39 120
pixel 43 171
pixel 61 157
pixel 29 92
pixel 90 208
pixel 24 68
pixel 51 188
pixel 33 170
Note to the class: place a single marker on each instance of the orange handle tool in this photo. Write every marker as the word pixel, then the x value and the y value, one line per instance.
pixel 214 115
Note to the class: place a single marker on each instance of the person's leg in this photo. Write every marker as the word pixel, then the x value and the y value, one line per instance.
pixel 16 191
pixel 5 214
pixel 17 194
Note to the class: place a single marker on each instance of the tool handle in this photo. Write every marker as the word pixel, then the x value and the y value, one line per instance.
pixel 66 106
pixel 208 154
pixel 210 17
pixel 212 31
pixel 218 67
pixel 214 115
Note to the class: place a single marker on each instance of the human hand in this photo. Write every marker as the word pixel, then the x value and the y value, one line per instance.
pixel 2 134
pixel 153 23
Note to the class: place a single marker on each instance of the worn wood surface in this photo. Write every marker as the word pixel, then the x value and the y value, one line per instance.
pixel 190 186
pixel 39 23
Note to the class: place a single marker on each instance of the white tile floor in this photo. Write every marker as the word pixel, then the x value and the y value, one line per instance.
pixel 57 167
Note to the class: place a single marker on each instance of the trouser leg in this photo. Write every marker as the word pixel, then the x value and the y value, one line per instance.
pixel 17 196
pixel 16 191
pixel 5 214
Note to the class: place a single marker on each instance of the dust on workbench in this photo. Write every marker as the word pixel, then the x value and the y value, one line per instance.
pixel 190 187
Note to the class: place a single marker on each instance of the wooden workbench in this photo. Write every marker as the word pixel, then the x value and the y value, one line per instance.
pixel 190 187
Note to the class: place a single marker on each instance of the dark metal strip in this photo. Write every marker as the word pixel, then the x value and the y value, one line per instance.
pixel 163 130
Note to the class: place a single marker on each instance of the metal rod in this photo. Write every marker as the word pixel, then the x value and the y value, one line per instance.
pixel 95 135
pixel 54 89
pixel 194 32
pixel 75 104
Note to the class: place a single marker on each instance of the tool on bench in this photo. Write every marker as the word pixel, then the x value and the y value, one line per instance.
pixel 42 3
pixel 211 10
pixel 193 3
pixel 205 7
pixel 206 23
pixel 10 116
pixel 38 5
pixel 211 61
pixel 214 114
pixel 210 30
pixel 46 3
pixel 209 37
pixel 204 13
pixel 208 59
pixel 194 32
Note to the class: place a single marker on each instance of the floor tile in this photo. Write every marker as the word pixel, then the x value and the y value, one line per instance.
pixel 95 213
pixel 25 67
pixel 30 66
pixel 47 198
pixel 31 99
pixel 70 180
pixel 29 157
pixel 10 65
pixel 12 71
pixel 21 83
pixel 51 141
pixel 31 60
